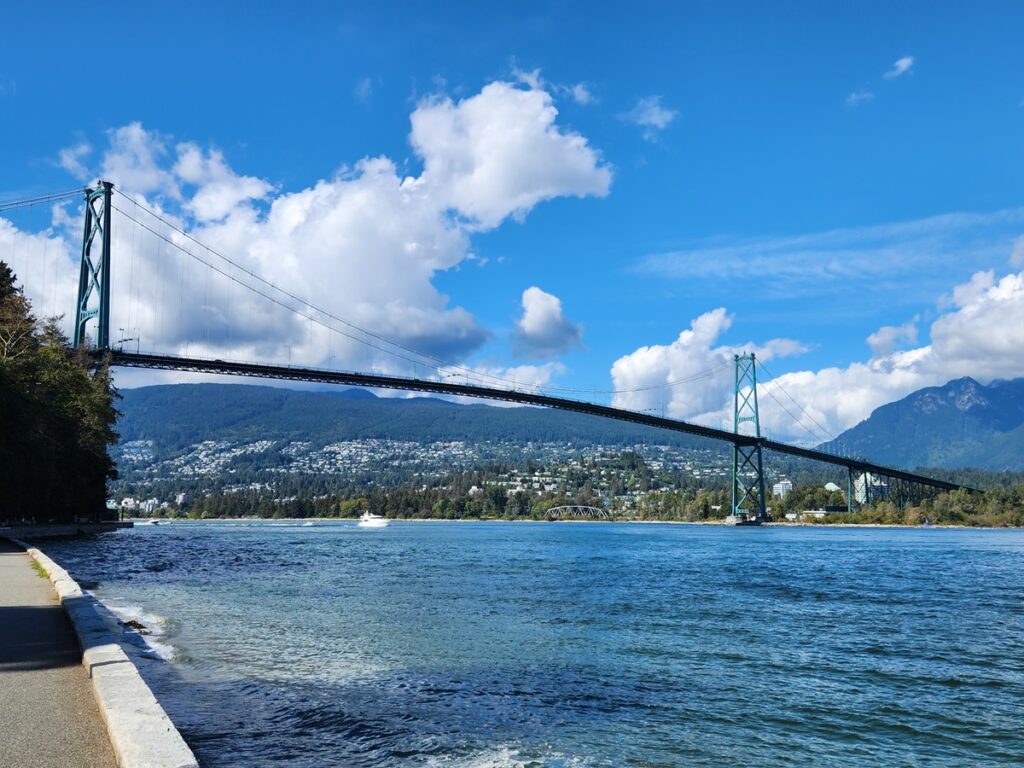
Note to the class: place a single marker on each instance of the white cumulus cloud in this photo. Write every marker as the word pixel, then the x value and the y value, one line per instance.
pixel 44 263
pixel 219 190
pixel 70 159
pixel 543 331
pixel 500 152
pixel 888 337
pixel 365 242
pixel 521 378
pixel 981 335
pixel 578 92
pixel 137 160
pixel 690 377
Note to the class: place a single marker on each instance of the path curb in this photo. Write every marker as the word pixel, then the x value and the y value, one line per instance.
pixel 140 731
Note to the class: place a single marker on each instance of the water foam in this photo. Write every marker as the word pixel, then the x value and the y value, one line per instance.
pixel 149 640
pixel 508 756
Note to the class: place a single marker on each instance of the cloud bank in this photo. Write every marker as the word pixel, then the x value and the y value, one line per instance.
pixel 365 242
pixel 689 378
pixel 981 334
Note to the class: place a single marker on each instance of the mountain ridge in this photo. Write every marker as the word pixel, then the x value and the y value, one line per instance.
pixel 961 423
pixel 177 415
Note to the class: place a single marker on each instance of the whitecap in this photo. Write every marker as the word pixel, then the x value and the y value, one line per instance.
pixel 149 640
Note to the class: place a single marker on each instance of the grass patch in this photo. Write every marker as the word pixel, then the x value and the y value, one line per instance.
pixel 39 569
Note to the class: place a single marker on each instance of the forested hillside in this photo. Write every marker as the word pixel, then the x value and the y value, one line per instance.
pixel 960 424
pixel 175 416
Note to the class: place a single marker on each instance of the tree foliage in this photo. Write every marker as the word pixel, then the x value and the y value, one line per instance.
pixel 56 420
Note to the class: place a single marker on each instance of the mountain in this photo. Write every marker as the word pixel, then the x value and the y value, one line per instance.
pixel 178 415
pixel 960 424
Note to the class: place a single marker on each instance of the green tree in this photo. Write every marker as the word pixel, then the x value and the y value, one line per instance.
pixel 58 420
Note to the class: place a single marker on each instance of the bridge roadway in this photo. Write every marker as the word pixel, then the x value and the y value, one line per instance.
pixel 292 373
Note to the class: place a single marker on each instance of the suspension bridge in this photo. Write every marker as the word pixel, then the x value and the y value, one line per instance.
pixel 865 479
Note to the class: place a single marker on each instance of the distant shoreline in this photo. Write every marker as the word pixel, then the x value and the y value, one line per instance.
pixel 717 523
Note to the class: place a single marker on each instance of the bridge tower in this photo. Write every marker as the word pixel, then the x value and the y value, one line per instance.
pixel 94 275
pixel 748 499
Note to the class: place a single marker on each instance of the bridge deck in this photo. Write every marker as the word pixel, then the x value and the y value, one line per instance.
pixel 294 373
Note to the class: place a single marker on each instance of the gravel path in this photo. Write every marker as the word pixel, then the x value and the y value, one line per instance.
pixel 48 714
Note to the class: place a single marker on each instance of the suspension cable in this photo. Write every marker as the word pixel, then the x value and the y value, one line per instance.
pixel 440 364
pixel 285 306
pixel 796 420
pixel 39 200
pixel 775 380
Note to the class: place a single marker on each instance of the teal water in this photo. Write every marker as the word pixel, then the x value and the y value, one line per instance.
pixel 576 644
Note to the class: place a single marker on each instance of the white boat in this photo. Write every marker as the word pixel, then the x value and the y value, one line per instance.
pixel 370 520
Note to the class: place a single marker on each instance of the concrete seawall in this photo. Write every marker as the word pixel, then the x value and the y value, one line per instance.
pixel 140 731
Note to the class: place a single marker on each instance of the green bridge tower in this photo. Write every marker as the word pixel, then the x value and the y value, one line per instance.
pixel 748 499
pixel 94 276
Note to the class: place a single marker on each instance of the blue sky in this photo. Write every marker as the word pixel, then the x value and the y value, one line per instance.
pixel 772 160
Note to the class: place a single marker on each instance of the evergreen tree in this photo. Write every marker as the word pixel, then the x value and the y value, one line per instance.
pixel 56 420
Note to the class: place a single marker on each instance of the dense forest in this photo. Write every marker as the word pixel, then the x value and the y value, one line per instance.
pixel 57 419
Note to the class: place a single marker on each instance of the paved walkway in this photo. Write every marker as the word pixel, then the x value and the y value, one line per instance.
pixel 48 714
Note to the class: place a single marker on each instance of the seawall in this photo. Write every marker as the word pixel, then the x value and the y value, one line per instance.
pixel 140 731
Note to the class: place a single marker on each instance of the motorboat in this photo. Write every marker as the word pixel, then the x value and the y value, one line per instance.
pixel 370 520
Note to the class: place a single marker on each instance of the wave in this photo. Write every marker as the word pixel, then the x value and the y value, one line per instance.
pixel 141 630
pixel 506 756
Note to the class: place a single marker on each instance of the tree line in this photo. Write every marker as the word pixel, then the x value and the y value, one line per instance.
pixel 56 419
pixel 460 498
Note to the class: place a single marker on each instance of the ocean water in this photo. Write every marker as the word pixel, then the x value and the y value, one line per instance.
pixel 548 644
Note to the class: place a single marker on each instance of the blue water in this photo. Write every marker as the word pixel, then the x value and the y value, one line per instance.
pixel 576 644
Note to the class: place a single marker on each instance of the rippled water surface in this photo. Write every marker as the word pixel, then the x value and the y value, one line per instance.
pixel 576 644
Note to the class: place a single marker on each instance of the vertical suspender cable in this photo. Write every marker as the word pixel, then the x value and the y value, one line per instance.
pixel 132 297
pixel 206 308
pixel 159 313
pixel 55 281
pixel 42 290
pixel 181 300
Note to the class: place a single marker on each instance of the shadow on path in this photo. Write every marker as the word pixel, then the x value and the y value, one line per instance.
pixel 36 637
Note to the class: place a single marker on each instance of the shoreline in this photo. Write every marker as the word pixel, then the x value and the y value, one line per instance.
pixel 299 521
pixel 140 730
